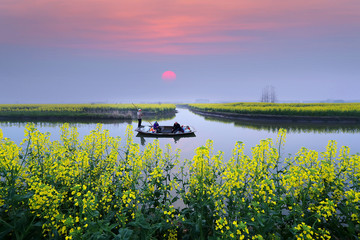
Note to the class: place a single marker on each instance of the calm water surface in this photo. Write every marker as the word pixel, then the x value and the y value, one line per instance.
pixel 224 133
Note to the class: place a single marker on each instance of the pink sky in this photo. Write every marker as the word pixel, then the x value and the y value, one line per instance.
pixel 96 50
pixel 170 27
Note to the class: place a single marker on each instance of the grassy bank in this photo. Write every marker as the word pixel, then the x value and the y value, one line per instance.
pixel 81 111
pixel 284 109
pixel 99 189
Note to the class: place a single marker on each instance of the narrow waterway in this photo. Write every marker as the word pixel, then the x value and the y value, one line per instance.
pixel 224 133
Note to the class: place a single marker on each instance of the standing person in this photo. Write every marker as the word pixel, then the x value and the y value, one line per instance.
pixel 139 117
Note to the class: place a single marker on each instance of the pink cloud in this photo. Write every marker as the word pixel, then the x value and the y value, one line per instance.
pixel 163 27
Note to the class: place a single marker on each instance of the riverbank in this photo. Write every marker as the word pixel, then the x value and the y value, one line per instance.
pixel 82 112
pixel 279 112
pixel 279 118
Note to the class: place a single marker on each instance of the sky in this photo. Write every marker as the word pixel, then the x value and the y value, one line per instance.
pixel 116 51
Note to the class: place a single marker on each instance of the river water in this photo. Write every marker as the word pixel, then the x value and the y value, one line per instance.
pixel 224 133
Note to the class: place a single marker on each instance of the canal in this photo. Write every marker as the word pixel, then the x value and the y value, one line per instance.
pixel 224 133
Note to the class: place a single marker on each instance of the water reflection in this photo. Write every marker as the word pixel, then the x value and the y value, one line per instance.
pixel 290 127
pixel 175 138
pixel 224 132
pixel 21 123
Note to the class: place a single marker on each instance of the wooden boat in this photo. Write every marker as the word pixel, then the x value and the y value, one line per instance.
pixel 165 131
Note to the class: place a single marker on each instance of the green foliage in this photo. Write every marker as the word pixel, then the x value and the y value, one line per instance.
pixel 99 189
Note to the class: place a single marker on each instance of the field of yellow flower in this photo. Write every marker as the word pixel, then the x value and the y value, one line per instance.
pixel 122 111
pixel 287 109
pixel 100 188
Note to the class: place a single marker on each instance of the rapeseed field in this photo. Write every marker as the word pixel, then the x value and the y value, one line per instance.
pixel 285 109
pixel 101 188
pixel 81 110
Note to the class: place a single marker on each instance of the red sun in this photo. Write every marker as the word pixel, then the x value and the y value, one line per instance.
pixel 168 76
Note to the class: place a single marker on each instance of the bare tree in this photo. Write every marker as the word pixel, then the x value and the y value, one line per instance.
pixel 265 95
pixel 272 94
pixel 268 94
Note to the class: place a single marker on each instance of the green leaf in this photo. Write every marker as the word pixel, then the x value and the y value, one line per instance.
pixel 124 234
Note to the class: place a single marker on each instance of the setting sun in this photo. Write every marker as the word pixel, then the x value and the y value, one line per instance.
pixel 168 76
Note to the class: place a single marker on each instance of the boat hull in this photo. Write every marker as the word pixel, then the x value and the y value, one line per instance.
pixel 165 131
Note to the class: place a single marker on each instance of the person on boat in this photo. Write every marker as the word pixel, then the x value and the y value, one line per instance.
pixel 177 128
pixel 139 117
pixel 186 128
pixel 157 127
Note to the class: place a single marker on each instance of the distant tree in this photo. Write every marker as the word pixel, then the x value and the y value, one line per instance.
pixel 265 95
pixel 268 94
pixel 272 95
